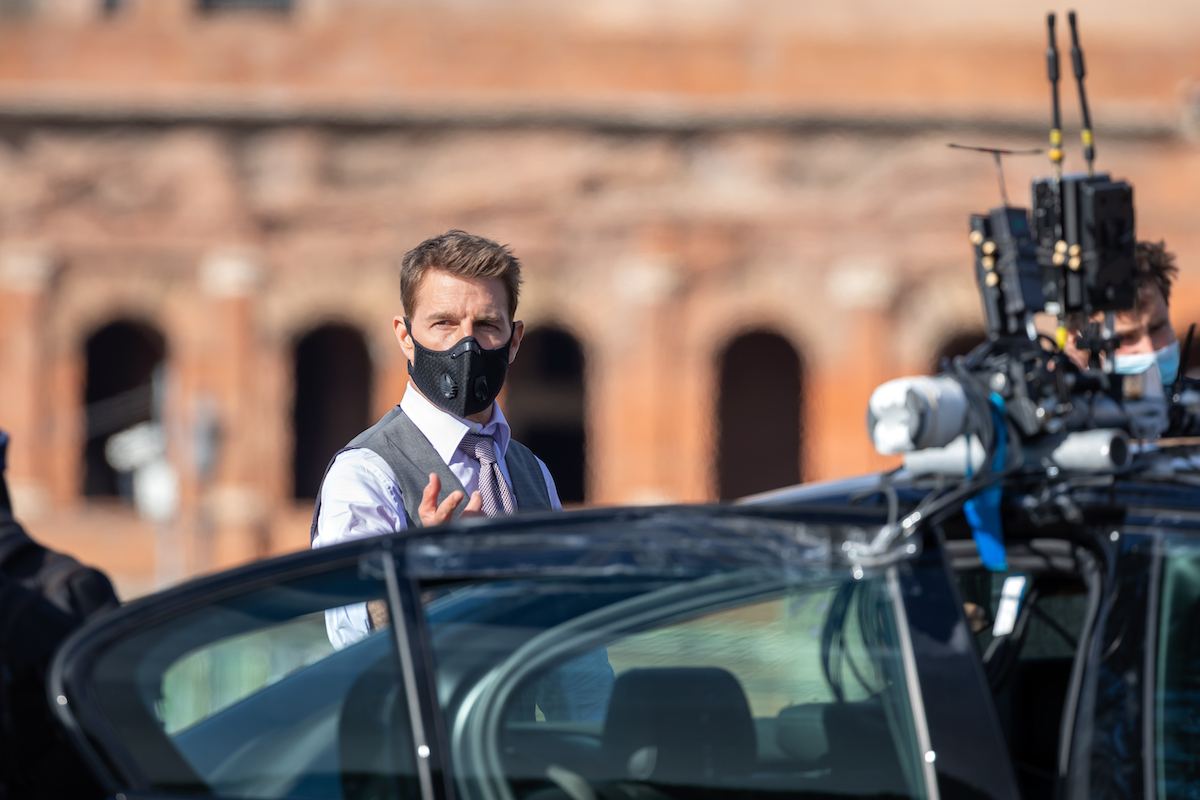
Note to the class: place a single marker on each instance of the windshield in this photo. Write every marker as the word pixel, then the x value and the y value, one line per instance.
pixel 744 660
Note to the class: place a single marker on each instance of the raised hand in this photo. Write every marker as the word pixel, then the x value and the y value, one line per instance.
pixel 433 514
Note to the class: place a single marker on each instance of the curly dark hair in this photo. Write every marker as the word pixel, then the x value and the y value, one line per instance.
pixel 1154 268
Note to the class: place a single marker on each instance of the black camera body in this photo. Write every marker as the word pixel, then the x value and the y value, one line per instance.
pixel 1074 255
pixel 1086 234
pixel 1006 269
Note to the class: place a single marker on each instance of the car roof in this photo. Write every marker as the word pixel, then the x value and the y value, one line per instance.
pixel 1162 476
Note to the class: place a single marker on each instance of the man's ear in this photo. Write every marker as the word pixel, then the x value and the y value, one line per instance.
pixel 404 338
pixel 518 333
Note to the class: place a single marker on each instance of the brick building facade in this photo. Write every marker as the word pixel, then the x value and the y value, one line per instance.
pixel 736 219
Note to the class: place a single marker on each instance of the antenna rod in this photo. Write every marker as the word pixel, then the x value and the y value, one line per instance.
pixel 996 153
pixel 1089 150
pixel 1000 177
pixel 1056 153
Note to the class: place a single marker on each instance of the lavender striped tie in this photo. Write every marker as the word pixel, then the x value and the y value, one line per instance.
pixel 497 497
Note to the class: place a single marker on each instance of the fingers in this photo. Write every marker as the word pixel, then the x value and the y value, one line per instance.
pixel 474 506
pixel 429 496
pixel 446 509
pixel 430 512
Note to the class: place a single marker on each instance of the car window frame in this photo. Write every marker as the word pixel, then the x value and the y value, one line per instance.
pixel 105 753
pixel 1148 535
pixel 944 649
pixel 417 671
pixel 73 700
pixel 939 774
pixel 485 528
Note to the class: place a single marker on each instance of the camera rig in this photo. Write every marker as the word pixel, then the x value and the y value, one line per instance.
pixel 1018 403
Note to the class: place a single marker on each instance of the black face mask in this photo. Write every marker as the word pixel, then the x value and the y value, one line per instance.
pixel 463 380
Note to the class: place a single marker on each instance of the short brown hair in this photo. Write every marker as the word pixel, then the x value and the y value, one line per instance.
pixel 464 255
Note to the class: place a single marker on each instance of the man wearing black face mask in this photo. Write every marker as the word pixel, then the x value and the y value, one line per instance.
pixel 446 450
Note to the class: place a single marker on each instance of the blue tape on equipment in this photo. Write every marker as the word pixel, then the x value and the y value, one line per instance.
pixel 3 451
pixel 983 510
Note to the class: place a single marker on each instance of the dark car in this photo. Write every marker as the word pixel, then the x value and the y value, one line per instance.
pixel 798 644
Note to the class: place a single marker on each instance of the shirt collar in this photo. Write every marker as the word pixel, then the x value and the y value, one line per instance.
pixel 444 430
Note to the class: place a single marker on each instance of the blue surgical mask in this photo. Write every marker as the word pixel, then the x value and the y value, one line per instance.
pixel 1136 363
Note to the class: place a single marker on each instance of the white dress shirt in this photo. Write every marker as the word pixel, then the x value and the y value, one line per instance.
pixel 360 496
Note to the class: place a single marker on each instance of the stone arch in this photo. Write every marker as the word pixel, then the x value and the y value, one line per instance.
pixel 929 308
pixel 759 414
pixel 333 379
pixel 958 343
pixel 545 403
pixel 123 368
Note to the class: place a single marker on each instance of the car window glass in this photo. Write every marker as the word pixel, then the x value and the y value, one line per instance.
pixel 263 695
pixel 1057 607
pixel 1027 625
pixel 211 678
pixel 772 648
pixel 723 683
pixel 1177 696
pixel 1055 624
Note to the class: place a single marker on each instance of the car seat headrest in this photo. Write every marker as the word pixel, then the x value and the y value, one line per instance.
pixel 682 725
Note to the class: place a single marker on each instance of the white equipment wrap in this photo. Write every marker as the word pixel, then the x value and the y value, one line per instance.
pixel 914 413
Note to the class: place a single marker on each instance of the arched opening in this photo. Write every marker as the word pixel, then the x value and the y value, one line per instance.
pixel 956 344
pixel 333 401
pixel 123 359
pixel 545 407
pixel 759 415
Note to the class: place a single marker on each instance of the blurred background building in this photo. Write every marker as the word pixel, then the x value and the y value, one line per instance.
pixel 737 217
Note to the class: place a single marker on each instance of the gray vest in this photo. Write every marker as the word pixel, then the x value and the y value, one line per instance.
pixel 401 444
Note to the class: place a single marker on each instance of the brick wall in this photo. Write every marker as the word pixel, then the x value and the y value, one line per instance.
pixel 672 175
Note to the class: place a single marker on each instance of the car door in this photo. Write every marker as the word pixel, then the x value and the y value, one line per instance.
pixel 653 653
pixel 246 685
pixel 1088 639
pixel 712 652
pixel 1139 725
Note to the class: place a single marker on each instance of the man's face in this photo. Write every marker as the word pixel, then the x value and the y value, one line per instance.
pixel 1143 330
pixel 449 308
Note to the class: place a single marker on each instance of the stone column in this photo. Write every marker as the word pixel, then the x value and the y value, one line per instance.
pixel 231 519
pixel 863 288
pixel 26 275
pixel 632 447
